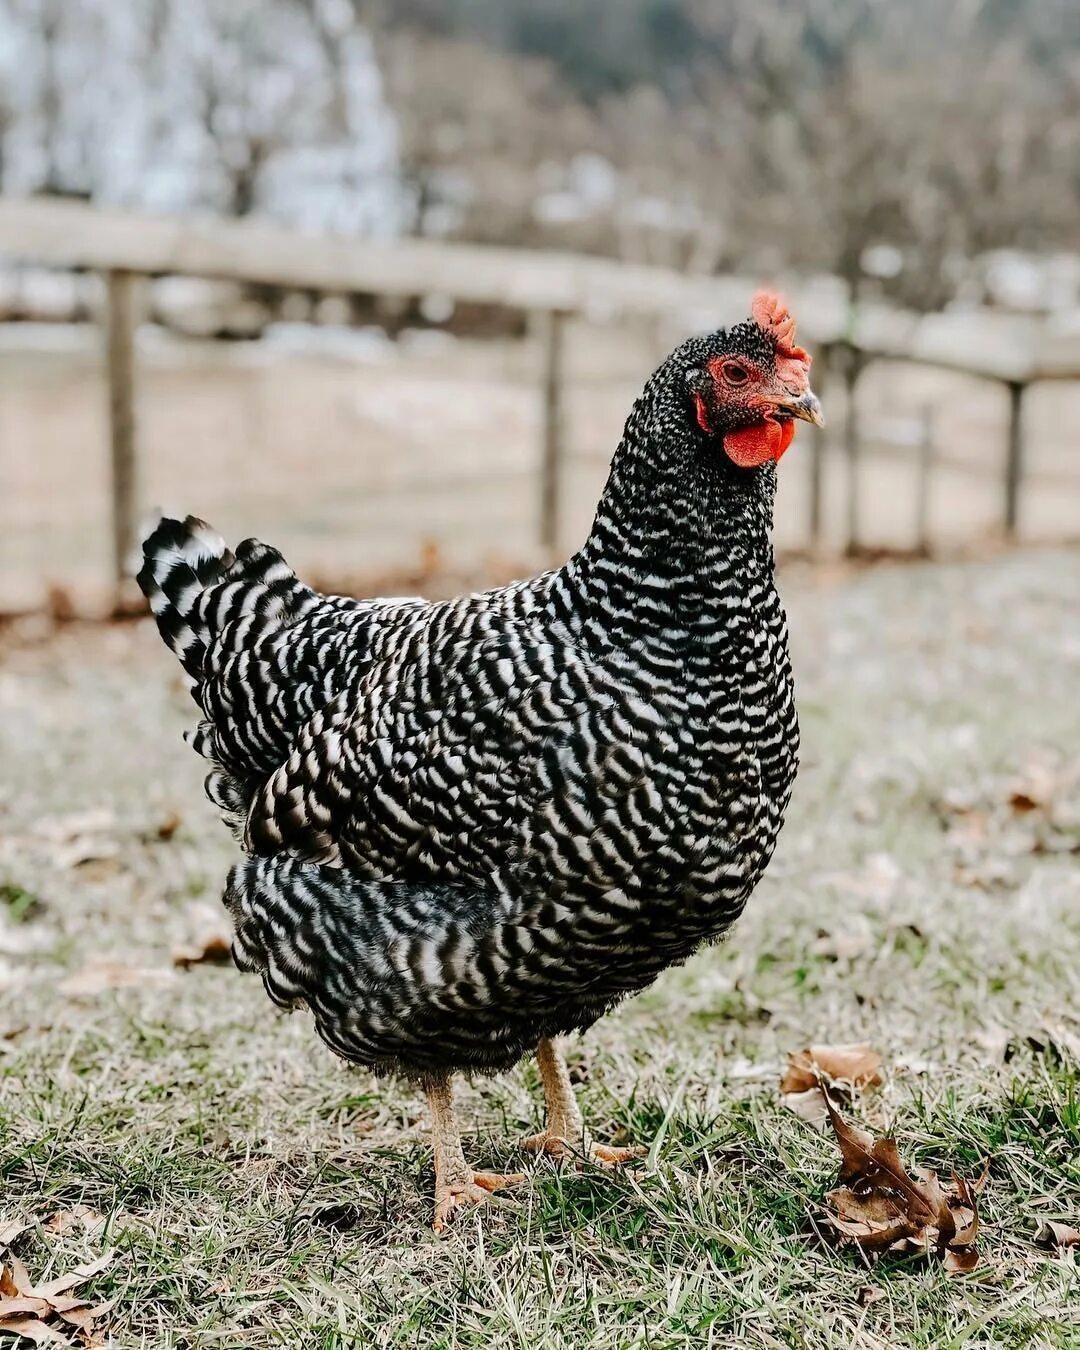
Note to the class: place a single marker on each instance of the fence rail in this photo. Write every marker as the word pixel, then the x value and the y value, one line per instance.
pixel 548 286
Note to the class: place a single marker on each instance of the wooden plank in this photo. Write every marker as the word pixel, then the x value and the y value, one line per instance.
pixel 72 234
pixel 549 326
pixel 77 235
pixel 120 362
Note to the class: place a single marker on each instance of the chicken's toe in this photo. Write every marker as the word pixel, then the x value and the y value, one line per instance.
pixel 497 1181
pixel 562 1149
pixel 608 1155
pixel 474 1190
pixel 547 1141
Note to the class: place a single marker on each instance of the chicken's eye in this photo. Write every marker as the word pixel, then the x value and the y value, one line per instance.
pixel 735 373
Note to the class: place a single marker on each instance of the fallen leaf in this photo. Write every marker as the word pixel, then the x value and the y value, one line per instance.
pixel 809 1105
pixel 65 1282
pixel 873 1219
pixel 99 976
pixel 211 942
pixel 78 1216
pixel 15 1280
pixel 870 1293
pixel 880 1206
pixel 857 1065
pixel 32 1329
pixel 80 838
pixel 20 1306
pixel 93 821
pixel 30 1311
pixel 168 825
pixel 214 949
pixel 994 1040
pixel 1035 789
pixel 1057 1235
pixel 960 1260
pixel 843 946
pixel 10 1230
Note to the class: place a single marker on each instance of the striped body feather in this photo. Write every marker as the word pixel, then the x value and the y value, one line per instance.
pixel 472 823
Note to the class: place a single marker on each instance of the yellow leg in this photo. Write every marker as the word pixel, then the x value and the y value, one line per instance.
pixel 456 1184
pixel 565 1135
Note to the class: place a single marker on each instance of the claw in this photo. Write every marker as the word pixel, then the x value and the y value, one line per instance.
pixel 559 1147
pixel 469 1191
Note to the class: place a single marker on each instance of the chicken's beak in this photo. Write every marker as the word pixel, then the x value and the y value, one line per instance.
pixel 806 408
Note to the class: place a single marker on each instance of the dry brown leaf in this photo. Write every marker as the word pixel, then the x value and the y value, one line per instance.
pixel 32 1329
pixel 881 1206
pixel 1059 1235
pixel 960 1260
pixel 857 1064
pixel 96 820
pixel 80 839
pixel 873 1219
pixel 168 825
pixel 78 1215
pixel 211 937
pixel 20 1306
pixel 82 1316
pixel 17 1280
pixel 843 946
pixel 10 1230
pixel 63 1283
pixel 29 1311
pixel 213 949
pixel 99 976
pixel 809 1106
pixel 870 1293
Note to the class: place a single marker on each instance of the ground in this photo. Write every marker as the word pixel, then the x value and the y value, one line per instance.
pixel 258 1193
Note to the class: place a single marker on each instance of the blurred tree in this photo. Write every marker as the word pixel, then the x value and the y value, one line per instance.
pixel 233 105
pixel 757 135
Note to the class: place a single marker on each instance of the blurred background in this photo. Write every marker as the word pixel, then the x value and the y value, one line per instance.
pixel 401 408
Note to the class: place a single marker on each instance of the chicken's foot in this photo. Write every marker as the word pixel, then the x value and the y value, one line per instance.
pixel 565 1135
pixel 456 1184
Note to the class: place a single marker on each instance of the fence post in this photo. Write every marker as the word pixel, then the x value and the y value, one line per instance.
pixel 922 487
pixel 120 361
pixel 549 326
pixel 824 362
pixel 853 366
pixel 1014 460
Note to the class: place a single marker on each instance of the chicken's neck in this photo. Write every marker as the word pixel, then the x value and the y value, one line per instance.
pixel 680 540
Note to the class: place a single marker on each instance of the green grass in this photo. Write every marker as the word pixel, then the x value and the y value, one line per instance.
pixel 259 1193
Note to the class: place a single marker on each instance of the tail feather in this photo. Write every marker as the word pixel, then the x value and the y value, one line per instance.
pixel 180 560
pixel 214 609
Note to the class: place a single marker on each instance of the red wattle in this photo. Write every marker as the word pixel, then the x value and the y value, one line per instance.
pixel 751 446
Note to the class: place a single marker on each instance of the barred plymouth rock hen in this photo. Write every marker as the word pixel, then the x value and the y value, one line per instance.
pixel 475 825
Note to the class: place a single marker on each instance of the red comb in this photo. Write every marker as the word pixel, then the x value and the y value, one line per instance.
pixel 770 313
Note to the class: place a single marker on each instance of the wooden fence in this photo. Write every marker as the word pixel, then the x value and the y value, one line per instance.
pixel 548 286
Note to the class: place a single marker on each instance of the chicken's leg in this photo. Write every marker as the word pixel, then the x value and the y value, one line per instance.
pixel 456 1183
pixel 565 1135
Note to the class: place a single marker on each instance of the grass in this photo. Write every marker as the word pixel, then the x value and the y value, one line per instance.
pixel 259 1193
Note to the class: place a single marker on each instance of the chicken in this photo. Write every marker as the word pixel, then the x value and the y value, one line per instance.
pixel 474 826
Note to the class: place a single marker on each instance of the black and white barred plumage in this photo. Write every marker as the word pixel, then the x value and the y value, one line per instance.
pixel 475 823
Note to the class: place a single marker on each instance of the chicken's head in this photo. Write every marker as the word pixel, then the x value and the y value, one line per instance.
pixel 749 384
